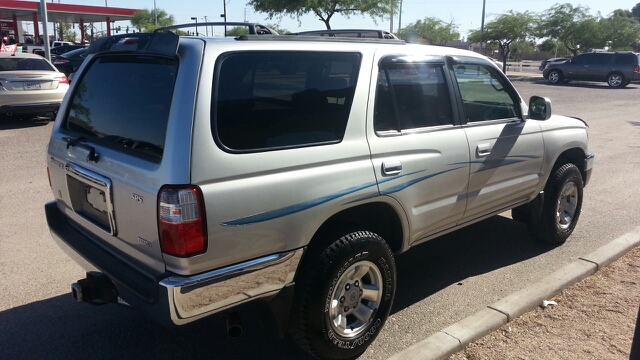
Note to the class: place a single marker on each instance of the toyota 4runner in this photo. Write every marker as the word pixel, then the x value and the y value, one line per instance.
pixel 192 175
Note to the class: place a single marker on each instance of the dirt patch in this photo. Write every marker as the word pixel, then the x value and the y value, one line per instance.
pixel 593 319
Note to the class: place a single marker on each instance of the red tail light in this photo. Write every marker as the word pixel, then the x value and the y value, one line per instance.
pixel 636 68
pixel 62 79
pixel 182 226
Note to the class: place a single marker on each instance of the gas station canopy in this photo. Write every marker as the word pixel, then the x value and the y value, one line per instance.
pixel 12 11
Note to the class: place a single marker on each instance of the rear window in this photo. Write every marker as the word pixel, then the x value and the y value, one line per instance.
pixel 123 102
pixel 16 63
pixel 273 100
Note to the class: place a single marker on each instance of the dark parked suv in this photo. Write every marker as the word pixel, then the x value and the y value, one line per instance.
pixel 617 69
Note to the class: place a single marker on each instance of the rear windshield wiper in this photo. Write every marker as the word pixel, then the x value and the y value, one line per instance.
pixel 92 157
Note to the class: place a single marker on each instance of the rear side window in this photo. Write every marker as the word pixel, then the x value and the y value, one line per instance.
pixel 411 96
pixel 123 102
pixel 274 100
pixel 625 59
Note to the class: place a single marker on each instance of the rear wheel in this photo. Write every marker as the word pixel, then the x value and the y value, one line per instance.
pixel 343 296
pixel 615 80
pixel 561 207
pixel 555 77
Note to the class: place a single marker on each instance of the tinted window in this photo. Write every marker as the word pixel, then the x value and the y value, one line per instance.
pixel 485 95
pixel 410 96
pixel 133 118
pixel 268 100
pixel 625 59
pixel 601 59
pixel 581 59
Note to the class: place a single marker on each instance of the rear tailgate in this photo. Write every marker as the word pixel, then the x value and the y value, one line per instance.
pixel 106 156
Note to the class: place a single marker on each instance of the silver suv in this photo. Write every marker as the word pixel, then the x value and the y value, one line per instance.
pixel 192 175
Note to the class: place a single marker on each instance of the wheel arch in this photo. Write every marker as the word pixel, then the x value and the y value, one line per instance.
pixel 574 156
pixel 378 217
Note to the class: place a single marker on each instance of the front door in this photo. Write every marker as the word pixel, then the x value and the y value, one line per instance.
pixel 505 151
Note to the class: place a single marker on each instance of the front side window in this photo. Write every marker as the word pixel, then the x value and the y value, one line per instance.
pixel 485 95
pixel 272 100
pixel 411 96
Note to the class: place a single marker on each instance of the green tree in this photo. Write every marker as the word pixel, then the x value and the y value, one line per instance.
pixel 432 30
pixel 506 29
pixel 65 32
pixel 238 31
pixel 620 32
pixel 324 10
pixel 571 25
pixel 145 20
pixel 636 11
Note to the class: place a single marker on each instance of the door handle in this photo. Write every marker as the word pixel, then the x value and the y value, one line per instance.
pixel 483 149
pixel 391 167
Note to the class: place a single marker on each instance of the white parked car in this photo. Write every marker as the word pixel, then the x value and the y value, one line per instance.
pixel 30 84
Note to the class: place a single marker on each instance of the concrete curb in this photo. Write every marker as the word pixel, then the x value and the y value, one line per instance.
pixel 456 337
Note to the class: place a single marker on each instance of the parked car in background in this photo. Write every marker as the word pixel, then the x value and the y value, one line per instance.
pixel 616 69
pixel 30 84
pixel 70 62
pixel 59 50
pixel 544 63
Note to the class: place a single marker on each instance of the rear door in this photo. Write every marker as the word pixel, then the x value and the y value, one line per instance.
pixel 419 151
pixel 505 151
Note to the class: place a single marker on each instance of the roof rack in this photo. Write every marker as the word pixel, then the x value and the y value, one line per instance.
pixel 320 39
pixel 254 28
pixel 350 33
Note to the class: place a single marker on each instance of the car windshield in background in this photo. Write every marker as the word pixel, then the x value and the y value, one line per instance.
pixel 16 63
pixel 144 87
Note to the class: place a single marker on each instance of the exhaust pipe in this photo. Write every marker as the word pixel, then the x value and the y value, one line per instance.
pixel 95 289
pixel 9 113
pixel 234 327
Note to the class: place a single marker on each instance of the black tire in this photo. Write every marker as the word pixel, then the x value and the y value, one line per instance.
pixel 355 275
pixel 555 77
pixel 615 80
pixel 561 207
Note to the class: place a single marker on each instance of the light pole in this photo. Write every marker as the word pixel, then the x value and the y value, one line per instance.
pixel 484 3
pixel 155 12
pixel 196 19
pixel 206 28
pixel 224 15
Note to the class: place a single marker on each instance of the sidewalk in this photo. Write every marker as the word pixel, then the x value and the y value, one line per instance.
pixel 593 319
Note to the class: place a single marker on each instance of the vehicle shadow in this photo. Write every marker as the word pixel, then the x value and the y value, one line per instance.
pixel 477 249
pixel 15 122
pixel 57 327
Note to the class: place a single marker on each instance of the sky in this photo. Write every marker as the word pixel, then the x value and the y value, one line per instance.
pixel 467 14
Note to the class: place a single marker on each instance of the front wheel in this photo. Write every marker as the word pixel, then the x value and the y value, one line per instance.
pixel 343 296
pixel 561 207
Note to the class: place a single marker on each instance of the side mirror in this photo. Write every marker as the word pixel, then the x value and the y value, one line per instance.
pixel 539 108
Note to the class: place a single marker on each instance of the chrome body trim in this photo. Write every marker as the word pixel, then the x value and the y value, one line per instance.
pixel 193 297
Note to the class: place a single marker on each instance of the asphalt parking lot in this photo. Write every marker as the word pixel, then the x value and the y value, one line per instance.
pixel 439 282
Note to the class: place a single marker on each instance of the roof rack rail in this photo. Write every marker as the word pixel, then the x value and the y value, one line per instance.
pixel 321 39
pixel 349 33
pixel 254 28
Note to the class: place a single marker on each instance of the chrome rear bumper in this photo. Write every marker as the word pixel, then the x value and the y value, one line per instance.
pixel 193 297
